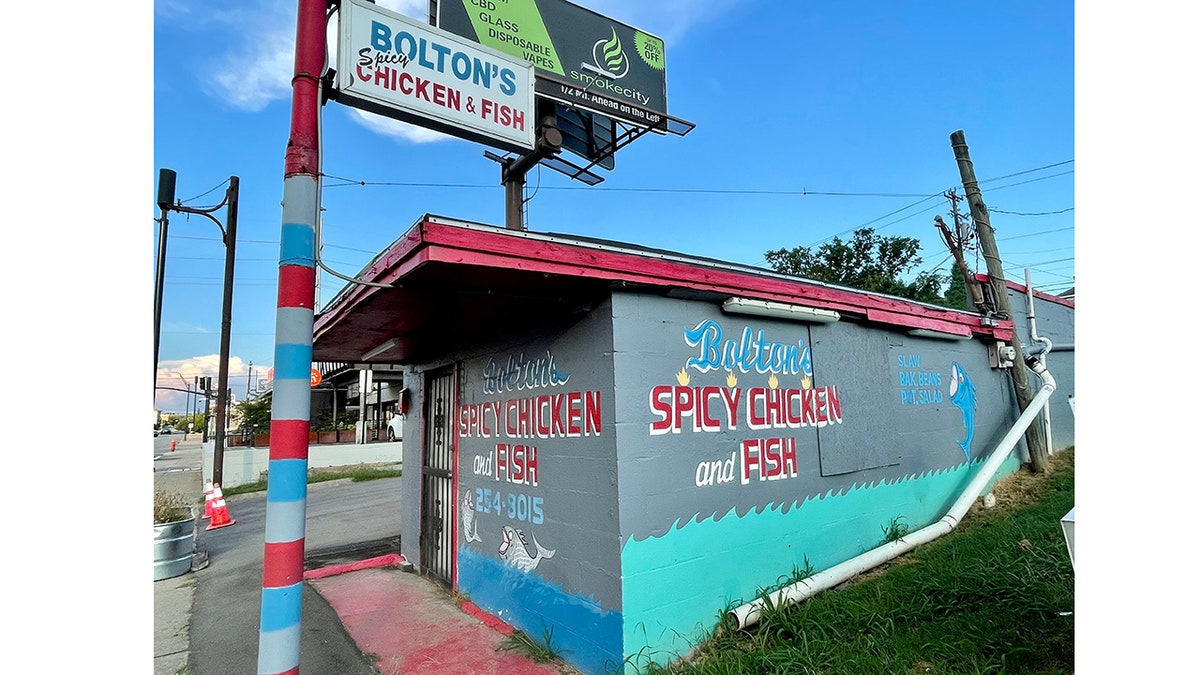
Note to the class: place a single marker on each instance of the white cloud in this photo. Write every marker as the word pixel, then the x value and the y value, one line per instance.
pixel 252 79
pixel 257 70
pixel 395 129
pixel 174 376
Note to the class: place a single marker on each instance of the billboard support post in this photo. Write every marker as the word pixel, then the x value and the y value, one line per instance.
pixel 512 172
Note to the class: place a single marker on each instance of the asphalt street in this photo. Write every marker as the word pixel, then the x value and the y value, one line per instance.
pixel 209 617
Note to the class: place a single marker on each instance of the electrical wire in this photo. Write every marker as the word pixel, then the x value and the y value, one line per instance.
pixel 1019 213
pixel 214 189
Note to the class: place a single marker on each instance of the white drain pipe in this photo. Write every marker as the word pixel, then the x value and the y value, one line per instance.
pixel 749 613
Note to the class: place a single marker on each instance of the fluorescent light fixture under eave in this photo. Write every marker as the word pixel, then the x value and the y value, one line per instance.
pixel 925 332
pixel 779 310
pixel 384 347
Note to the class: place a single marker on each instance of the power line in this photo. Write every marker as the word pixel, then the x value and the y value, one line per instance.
pixel 1036 234
pixel 218 186
pixel 804 192
pixel 1018 213
pixel 1031 180
pixel 1021 173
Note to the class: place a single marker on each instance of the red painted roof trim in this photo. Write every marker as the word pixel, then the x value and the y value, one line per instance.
pixel 435 239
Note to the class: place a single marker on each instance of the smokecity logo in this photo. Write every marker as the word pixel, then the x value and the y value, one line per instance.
pixel 608 58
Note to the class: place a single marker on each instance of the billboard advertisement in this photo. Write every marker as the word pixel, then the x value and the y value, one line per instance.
pixel 400 68
pixel 581 58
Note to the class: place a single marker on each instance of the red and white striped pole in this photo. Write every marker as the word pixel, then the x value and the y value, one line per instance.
pixel 287 472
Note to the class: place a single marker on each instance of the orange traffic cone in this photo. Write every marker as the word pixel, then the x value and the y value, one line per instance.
pixel 220 515
pixel 208 499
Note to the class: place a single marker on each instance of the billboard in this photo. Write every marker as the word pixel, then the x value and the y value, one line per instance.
pixel 400 68
pixel 581 58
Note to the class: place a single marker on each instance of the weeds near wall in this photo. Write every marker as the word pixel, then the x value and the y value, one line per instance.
pixel 540 651
pixel 894 530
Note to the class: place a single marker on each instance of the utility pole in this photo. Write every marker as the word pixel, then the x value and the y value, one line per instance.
pixel 956 242
pixel 1038 455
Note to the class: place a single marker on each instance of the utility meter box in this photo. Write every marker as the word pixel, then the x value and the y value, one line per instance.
pixel 1001 355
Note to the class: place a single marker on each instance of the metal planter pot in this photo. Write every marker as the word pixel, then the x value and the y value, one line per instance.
pixel 174 544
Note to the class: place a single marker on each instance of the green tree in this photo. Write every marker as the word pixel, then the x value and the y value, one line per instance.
pixel 868 262
pixel 956 293
pixel 254 412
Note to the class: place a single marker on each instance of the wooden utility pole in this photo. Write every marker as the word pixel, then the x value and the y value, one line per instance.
pixel 1038 455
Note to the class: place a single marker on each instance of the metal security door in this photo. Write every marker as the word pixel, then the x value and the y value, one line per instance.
pixel 437 478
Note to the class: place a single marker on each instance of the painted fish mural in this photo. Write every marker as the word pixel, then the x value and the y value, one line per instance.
pixel 514 550
pixel 962 395
pixel 470 527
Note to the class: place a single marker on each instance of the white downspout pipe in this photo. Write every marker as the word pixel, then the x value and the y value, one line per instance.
pixel 1042 356
pixel 749 613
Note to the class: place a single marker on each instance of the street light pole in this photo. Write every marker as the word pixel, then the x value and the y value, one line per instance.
pixel 166 195
pixel 226 324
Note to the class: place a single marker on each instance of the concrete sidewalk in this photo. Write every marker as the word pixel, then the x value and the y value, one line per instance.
pixel 405 624
pixel 399 621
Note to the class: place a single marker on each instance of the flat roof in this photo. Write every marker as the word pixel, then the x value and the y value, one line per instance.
pixel 446 284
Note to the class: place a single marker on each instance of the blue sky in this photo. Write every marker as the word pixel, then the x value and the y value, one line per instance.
pixel 854 98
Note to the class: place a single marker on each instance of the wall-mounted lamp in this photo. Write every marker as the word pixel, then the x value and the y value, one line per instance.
pixel 925 332
pixel 382 348
pixel 779 310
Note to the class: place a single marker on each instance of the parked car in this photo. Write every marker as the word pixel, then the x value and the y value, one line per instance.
pixel 395 428
pixel 165 431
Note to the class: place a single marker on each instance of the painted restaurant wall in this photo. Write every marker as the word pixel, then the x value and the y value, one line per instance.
pixel 539 538
pixel 624 479
pixel 750 447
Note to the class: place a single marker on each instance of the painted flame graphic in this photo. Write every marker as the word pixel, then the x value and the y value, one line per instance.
pixel 613 54
pixel 772 381
pixel 682 377
pixel 806 383
pixel 731 381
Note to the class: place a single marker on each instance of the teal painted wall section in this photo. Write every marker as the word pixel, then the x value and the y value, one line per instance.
pixel 677 586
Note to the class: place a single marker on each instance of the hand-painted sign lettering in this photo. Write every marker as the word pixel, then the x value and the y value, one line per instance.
pixel 918 387
pixel 749 352
pixel 572 414
pixel 523 373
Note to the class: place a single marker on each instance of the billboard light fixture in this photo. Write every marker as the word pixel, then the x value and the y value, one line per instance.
pixel 382 348
pixel 779 310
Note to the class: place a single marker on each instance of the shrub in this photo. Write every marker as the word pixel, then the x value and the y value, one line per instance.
pixel 169 508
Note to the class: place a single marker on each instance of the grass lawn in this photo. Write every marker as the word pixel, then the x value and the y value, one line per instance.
pixel 995 595
pixel 355 473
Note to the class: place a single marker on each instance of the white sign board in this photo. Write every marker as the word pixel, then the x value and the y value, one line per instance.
pixel 398 67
